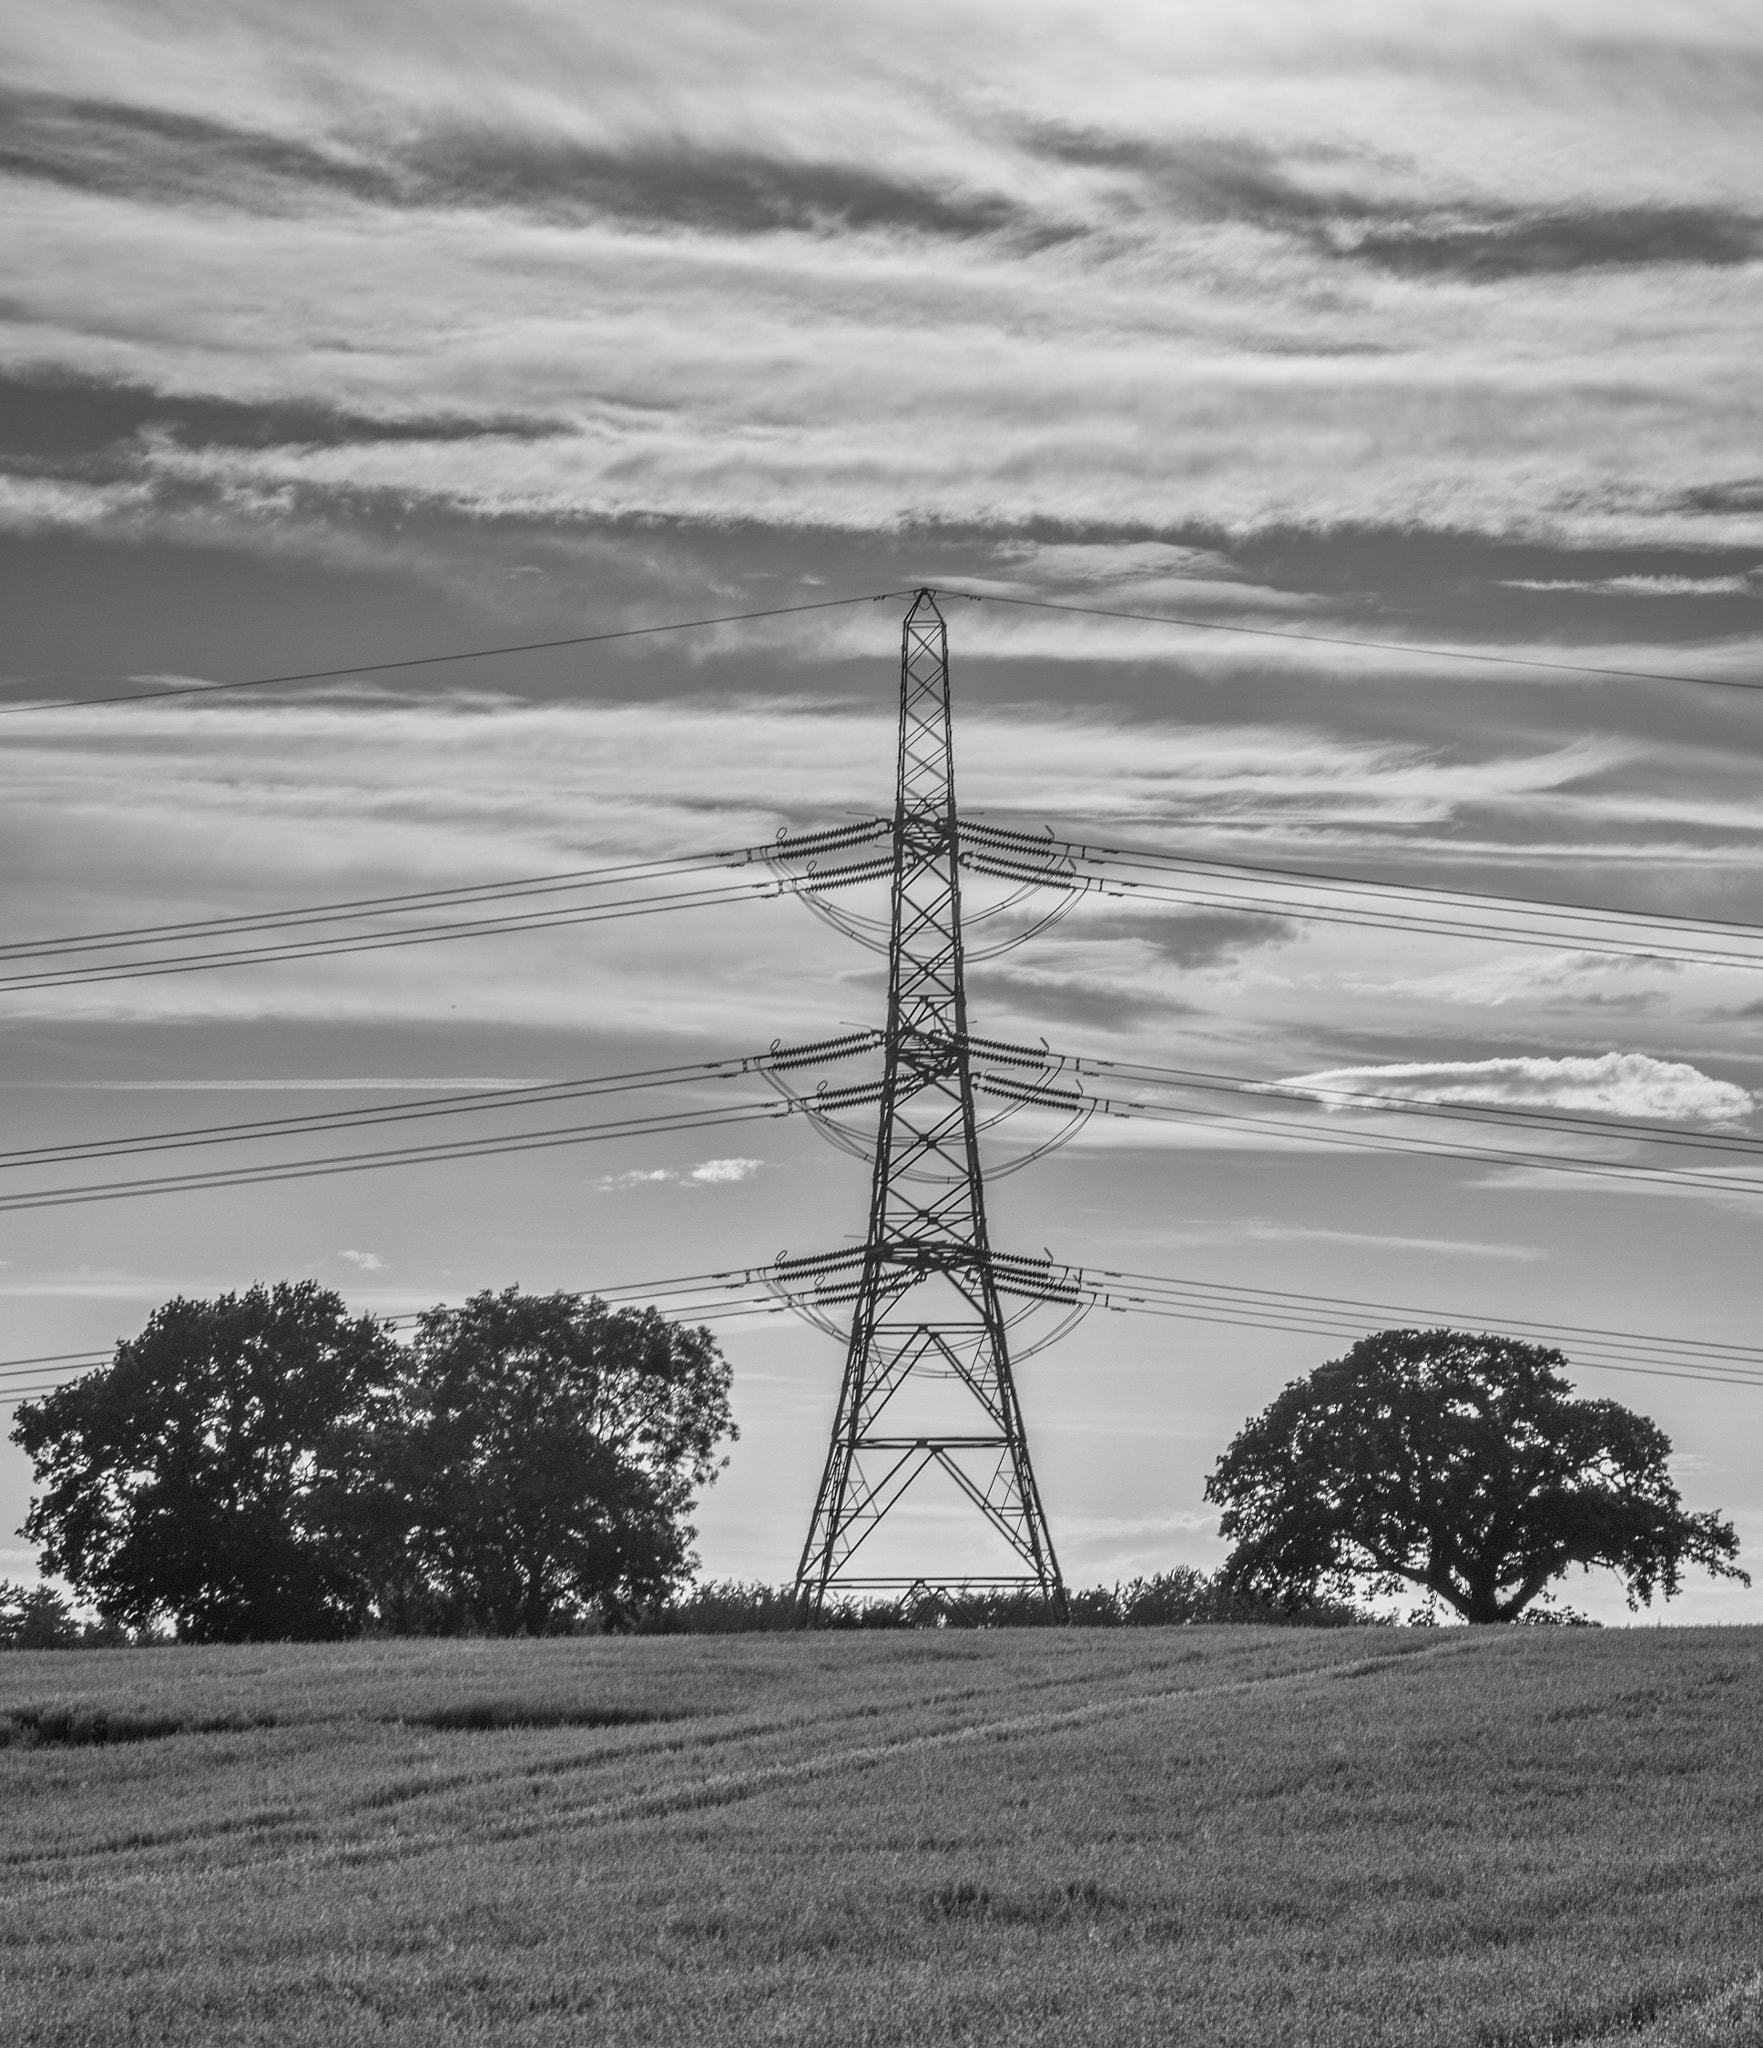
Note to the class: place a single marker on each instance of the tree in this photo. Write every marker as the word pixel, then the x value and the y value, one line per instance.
pixel 215 1472
pixel 548 1451
pixel 1461 1464
pixel 36 1618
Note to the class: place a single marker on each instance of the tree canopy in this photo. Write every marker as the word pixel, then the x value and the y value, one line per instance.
pixel 208 1475
pixel 1460 1464
pixel 265 1466
pixel 550 1448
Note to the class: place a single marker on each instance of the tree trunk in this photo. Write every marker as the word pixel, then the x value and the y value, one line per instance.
pixel 1482 1605
pixel 536 1607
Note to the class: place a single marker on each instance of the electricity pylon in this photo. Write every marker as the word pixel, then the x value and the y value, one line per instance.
pixel 926 1302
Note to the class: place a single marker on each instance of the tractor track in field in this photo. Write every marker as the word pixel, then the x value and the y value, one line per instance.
pixel 626 1745
pixel 293 1839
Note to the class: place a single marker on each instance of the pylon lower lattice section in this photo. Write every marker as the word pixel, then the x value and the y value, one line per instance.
pixel 928 1390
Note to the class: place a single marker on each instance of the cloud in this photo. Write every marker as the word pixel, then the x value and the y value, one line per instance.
pixel 1365 1240
pixel 1340 201
pixel 1612 1084
pixel 153 154
pixel 1037 997
pixel 1743 494
pixel 62 417
pixel 708 1173
pixel 706 191
pixel 1647 586
pixel 1568 982
pixel 721 1172
pixel 141 153
pixel 1197 939
pixel 1513 244
pixel 1146 276
pixel 1180 1521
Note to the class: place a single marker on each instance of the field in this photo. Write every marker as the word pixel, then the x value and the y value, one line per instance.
pixel 1164 1836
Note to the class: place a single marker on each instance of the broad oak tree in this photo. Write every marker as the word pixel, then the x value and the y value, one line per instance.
pixel 547 1453
pixel 1461 1464
pixel 215 1473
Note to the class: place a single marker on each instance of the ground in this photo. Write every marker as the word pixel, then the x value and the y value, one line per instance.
pixel 1196 1835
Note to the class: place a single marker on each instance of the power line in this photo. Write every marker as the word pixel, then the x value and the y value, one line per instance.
pixel 706 1301
pixel 368 668
pixel 409 1155
pixel 246 923
pixel 1353 1328
pixel 548 1094
pixel 1603 1350
pixel 374 668
pixel 1578 668
pixel 424 935
pixel 449 1149
pixel 500 924
pixel 727 1294
pixel 1504 930
pixel 1535 1162
pixel 538 1094
pixel 1335 1316
pixel 1742 1356
pixel 990 840
pixel 43 952
pixel 1514 1115
pixel 1475 900
pixel 10 1367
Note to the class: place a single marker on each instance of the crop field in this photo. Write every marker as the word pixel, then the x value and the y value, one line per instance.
pixel 1226 1835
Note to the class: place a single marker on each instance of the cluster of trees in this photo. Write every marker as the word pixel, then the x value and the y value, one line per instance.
pixel 39 1618
pixel 1173 1598
pixel 265 1466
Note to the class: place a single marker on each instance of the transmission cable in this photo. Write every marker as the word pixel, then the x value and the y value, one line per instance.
pixel 1476 900
pixel 459 895
pixel 546 1138
pixel 722 1295
pixel 548 1094
pixel 760 887
pixel 374 668
pixel 1515 1115
pixel 1333 1315
pixel 1203 893
pixel 532 1095
pixel 1391 1141
pixel 1577 668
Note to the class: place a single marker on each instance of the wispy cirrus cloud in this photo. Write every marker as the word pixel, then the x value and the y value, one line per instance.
pixel 1646 586
pixel 1617 1084
pixel 145 154
pixel 1190 301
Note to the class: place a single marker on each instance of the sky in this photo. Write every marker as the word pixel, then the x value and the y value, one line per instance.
pixel 342 334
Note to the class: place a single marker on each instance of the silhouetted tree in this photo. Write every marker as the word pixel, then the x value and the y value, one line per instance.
pixel 547 1454
pixel 36 1618
pixel 1459 1463
pixel 216 1472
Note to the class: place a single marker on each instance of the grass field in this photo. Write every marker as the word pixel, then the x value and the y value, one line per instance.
pixel 1171 1836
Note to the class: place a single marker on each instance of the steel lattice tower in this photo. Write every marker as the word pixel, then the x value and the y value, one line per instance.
pixel 927 1300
